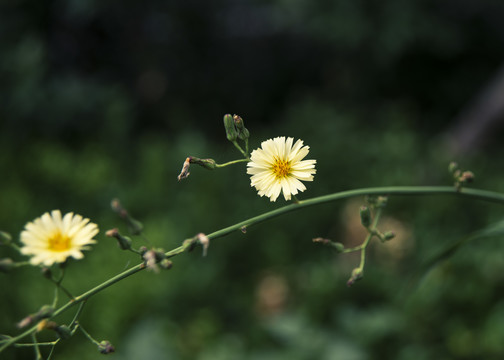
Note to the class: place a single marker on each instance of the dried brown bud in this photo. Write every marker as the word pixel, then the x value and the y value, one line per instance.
pixel 467 177
pixel 112 232
pixel 204 241
pixel 184 173
pixel 321 241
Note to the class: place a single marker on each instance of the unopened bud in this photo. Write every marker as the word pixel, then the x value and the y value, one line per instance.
pixel 206 163
pixel 467 177
pixel 452 167
pixel 28 320
pixel 166 264
pixel 381 201
pixel 123 241
pixel 339 247
pixel 357 274
pixel 63 332
pixel 45 312
pixel 7 265
pixel 365 216
pixel 105 347
pixel 115 204
pixel 45 324
pixel 134 226
pixel 388 235
pixel 189 243
pixel 243 133
pixel 5 238
pixel 229 125
pixel 152 258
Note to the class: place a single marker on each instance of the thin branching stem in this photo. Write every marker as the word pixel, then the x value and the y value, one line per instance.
pixel 483 195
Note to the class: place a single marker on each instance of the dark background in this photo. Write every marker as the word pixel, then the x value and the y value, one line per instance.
pixel 106 99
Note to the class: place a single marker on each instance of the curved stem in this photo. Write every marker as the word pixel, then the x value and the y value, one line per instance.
pixel 231 162
pixel 483 195
pixel 245 155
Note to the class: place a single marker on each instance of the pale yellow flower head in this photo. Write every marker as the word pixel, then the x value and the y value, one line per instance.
pixel 278 166
pixel 52 239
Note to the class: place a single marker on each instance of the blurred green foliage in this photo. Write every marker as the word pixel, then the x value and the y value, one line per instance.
pixel 106 99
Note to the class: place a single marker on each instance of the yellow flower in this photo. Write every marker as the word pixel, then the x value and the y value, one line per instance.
pixel 278 166
pixel 52 239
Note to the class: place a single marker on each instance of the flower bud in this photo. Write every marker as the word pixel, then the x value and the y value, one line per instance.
pixel 152 258
pixel 166 264
pixel 115 204
pixel 45 324
pixel 28 320
pixel 243 133
pixel 135 227
pixel 388 235
pixel 467 177
pixel 7 265
pixel 105 347
pixel 45 312
pixel 229 125
pixel 123 241
pixel 206 163
pixel 365 216
pixel 63 332
pixel 357 274
pixel 339 247
pixel 452 167
pixel 189 243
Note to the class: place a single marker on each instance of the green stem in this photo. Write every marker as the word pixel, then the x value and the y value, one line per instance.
pixel 38 355
pixel 349 250
pixel 90 338
pixel 483 195
pixel 371 233
pixel 477 194
pixel 77 314
pixel 245 155
pixel 231 162
pixel 52 343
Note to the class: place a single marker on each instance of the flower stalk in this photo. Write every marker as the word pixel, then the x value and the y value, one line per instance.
pixel 476 194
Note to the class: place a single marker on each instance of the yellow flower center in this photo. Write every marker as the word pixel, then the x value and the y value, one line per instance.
pixel 59 242
pixel 281 168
